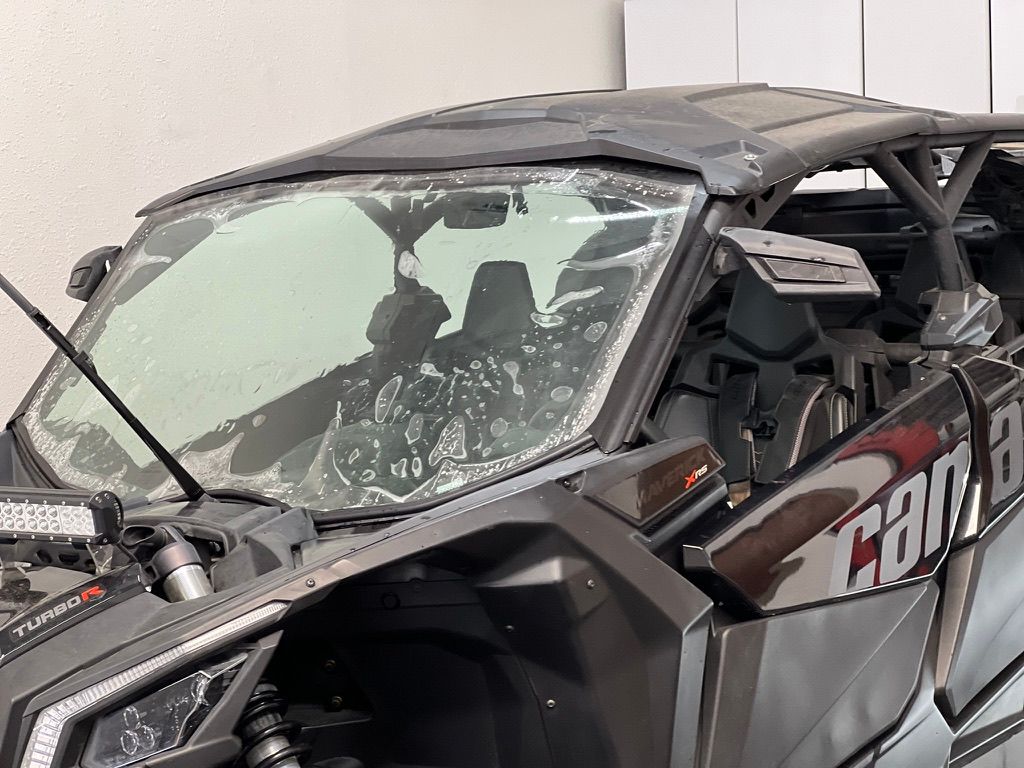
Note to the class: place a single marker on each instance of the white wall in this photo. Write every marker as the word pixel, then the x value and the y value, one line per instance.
pixel 961 55
pixel 1007 56
pixel 909 55
pixel 104 106
pixel 669 42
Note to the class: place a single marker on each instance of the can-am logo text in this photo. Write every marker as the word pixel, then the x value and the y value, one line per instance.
pixel 902 534
pixel 88 595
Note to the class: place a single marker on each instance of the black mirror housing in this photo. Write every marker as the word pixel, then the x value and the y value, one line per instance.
pixel 89 271
pixel 798 268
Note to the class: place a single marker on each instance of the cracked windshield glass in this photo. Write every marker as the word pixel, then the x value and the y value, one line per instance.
pixel 362 340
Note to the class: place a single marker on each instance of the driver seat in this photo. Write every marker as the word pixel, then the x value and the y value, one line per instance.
pixel 499 304
pixel 769 392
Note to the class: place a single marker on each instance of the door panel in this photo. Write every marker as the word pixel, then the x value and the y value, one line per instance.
pixel 810 688
pixel 988 736
pixel 982 613
pixel 982 628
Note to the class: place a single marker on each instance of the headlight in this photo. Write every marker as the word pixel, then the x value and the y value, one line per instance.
pixel 44 741
pixel 158 722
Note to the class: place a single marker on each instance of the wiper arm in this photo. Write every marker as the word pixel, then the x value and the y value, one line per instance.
pixel 193 490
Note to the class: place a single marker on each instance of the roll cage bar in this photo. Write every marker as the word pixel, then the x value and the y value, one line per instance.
pixel 905 165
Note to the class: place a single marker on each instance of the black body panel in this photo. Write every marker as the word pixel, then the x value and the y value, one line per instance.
pixel 983 612
pixel 819 532
pixel 595 620
pixel 983 604
pixel 66 609
pixel 853 667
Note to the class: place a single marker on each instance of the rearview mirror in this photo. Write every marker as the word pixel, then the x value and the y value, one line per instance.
pixel 798 268
pixel 89 271
pixel 475 210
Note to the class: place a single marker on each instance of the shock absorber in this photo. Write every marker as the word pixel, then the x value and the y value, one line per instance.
pixel 266 736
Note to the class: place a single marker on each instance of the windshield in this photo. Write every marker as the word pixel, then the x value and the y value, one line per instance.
pixel 362 340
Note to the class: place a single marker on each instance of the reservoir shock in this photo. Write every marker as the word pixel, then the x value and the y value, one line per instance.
pixel 266 736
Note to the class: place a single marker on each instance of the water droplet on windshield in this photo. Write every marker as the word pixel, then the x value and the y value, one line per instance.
pixel 499 427
pixel 410 266
pixel 415 428
pixel 571 296
pixel 476 365
pixel 353 456
pixel 512 369
pixel 635 257
pixel 386 397
pixel 398 469
pixel 547 321
pixel 451 443
pixel 417 466
pixel 529 349
pixel 259 420
pixel 595 331
pixel 428 369
pixel 561 394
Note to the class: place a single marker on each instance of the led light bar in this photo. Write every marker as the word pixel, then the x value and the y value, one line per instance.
pixel 44 741
pixel 60 516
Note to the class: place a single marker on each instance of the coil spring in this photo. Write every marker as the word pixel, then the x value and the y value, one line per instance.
pixel 266 736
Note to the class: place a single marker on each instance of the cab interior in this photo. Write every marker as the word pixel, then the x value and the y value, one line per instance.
pixel 767 382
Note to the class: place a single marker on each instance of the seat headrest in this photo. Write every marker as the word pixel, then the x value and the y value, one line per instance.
pixel 500 300
pixel 764 324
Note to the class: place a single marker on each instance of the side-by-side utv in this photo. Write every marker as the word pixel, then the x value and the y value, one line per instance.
pixel 665 428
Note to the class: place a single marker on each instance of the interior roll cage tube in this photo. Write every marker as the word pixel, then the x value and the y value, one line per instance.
pixel 909 172
pixel 915 182
pixel 965 311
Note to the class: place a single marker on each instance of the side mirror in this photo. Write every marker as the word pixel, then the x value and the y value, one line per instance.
pixel 89 271
pixel 798 268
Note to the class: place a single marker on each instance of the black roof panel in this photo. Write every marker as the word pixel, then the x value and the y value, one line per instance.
pixel 741 138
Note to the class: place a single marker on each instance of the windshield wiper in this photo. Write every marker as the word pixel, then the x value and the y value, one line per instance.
pixel 193 490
